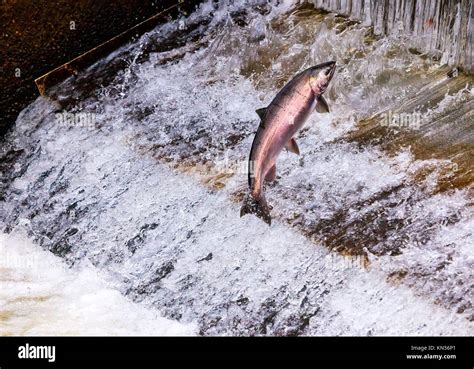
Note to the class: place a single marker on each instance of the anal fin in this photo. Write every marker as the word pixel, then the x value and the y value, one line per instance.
pixel 271 174
pixel 292 146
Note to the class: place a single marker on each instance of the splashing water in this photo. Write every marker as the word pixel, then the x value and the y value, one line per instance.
pixel 148 193
pixel 40 296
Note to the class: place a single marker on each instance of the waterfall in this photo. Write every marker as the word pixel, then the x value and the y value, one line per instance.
pixel 442 28
pixel 131 176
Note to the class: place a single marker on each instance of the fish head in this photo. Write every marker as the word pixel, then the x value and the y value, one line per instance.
pixel 320 75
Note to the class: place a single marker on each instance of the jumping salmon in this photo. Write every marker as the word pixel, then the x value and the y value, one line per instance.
pixel 280 121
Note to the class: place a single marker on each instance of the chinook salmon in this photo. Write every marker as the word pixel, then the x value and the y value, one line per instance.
pixel 280 121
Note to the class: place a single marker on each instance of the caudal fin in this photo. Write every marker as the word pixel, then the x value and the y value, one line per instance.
pixel 257 207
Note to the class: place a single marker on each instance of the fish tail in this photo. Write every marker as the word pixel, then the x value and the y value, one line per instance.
pixel 258 207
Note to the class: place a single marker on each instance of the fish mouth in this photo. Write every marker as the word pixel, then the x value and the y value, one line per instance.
pixel 332 68
pixel 331 64
pixel 328 67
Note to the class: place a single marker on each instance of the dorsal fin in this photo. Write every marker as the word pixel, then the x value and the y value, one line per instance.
pixel 261 112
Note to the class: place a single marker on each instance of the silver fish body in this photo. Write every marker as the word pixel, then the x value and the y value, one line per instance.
pixel 280 121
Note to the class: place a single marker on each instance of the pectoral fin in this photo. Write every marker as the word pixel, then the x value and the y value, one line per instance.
pixel 322 105
pixel 271 174
pixel 292 146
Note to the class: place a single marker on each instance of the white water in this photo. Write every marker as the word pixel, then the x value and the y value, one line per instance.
pixel 140 200
pixel 265 266
pixel 40 295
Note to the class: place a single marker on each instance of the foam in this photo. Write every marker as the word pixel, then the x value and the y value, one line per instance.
pixel 40 295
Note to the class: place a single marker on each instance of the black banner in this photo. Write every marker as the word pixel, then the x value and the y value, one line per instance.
pixel 227 352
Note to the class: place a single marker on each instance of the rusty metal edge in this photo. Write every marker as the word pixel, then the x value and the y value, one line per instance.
pixel 72 67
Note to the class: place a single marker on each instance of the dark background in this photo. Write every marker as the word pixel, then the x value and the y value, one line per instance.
pixel 35 36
